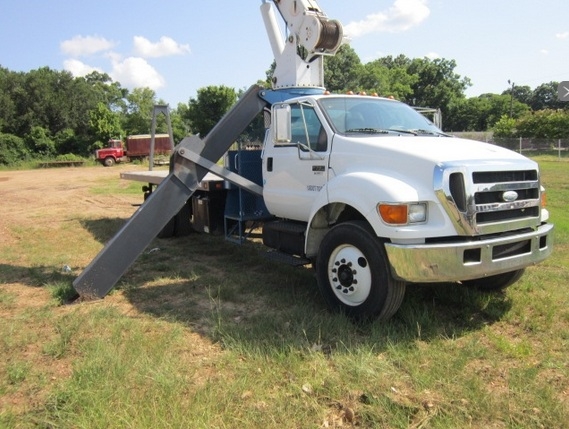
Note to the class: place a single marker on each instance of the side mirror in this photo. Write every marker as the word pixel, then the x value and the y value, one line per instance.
pixel 282 123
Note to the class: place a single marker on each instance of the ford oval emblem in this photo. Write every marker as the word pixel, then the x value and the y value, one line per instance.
pixel 510 196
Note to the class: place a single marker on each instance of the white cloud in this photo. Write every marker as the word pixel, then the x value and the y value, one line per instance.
pixel 544 52
pixel 131 72
pixel 134 72
pixel 78 68
pixel 562 36
pixel 432 55
pixel 165 47
pixel 81 46
pixel 403 15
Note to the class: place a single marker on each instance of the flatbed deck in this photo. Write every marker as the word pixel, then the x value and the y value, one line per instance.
pixel 154 177
pixel 210 181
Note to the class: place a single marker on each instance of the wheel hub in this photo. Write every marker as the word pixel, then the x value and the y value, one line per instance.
pixel 345 275
pixel 349 275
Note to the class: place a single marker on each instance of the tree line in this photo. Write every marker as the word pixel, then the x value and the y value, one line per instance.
pixel 47 113
pixel 423 82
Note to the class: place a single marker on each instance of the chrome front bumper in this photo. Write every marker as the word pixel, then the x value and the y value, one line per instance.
pixel 448 262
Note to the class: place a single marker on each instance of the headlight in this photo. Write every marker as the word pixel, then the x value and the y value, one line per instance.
pixel 417 213
pixel 402 214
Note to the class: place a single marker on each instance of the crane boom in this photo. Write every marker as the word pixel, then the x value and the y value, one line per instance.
pixel 310 36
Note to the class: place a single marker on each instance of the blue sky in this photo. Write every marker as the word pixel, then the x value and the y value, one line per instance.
pixel 178 46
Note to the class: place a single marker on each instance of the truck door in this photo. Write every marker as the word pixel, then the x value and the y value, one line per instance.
pixel 295 172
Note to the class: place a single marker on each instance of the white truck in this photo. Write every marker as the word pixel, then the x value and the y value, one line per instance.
pixel 365 188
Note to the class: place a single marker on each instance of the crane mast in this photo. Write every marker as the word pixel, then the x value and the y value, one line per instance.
pixel 309 36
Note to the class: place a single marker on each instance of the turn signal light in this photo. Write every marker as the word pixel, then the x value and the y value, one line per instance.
pixel 402 214
pixel 393 214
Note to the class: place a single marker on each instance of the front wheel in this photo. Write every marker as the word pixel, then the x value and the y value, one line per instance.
pixel 495 283
pixel 353 273
pixel 109 161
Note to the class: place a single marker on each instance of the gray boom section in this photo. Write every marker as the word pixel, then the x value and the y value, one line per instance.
pixel 228 175
pixel 101 275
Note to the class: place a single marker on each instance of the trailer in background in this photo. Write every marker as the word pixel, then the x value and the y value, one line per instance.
pixel 136 147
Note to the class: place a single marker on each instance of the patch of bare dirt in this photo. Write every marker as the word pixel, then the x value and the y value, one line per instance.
pixel 53 202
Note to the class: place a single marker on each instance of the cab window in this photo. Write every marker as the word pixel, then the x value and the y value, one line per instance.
pixel 307 129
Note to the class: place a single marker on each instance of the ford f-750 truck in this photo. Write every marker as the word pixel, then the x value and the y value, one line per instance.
pixel 365 188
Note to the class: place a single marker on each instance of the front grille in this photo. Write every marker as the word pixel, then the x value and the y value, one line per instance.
pixel 489 201
pixel 503 215
pixel 504 176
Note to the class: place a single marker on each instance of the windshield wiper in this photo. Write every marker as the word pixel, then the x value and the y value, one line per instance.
pixel 430 133
pixel 367 131
pixel 395 130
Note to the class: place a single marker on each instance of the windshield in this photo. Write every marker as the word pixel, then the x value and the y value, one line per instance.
pixel 369 115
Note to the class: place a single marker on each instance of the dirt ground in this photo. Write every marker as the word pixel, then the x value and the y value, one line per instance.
pixel 29 194
pixel 45 200
pixel 51 202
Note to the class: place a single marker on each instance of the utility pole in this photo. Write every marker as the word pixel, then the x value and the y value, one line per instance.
pixel 511 98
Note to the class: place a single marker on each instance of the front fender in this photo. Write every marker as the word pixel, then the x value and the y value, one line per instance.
pixel 362 191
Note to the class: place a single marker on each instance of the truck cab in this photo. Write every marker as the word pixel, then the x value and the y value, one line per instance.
pixel 113 153
pixel 370 176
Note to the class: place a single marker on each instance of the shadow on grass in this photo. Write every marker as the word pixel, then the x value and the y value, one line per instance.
pixel 277 321
pixel 37 276
pixel 60 277
pixel 103 229
pixel 232 295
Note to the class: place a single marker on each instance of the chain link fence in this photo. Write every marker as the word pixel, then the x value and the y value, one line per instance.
pixel 526 145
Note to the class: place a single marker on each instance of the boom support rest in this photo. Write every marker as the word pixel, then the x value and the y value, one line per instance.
pixel 101 275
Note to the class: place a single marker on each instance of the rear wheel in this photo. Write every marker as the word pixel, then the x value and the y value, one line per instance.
pixel 495 283
pixel 353 273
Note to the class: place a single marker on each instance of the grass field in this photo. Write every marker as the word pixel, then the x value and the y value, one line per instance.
pixel 203 333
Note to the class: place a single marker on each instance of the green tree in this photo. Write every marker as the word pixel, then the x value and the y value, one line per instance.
pixel 106 91
pixel 505 127
pixel 39 142
pixel 208 107
pixel 105 123
pixel 547 123
pixel 482 113
pixel 468 115
pixel 138 111
pixel 545 96
pixel 387 81
pixel 523 94
pixel 12 149
pixel 66 142
pixel 179 127
pixel 343 71
pixel 437 85
pixel 7 105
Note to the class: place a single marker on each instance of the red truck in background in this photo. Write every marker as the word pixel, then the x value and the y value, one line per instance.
pixel 136 147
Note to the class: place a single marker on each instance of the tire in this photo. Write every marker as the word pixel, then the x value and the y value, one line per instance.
pixel 495 283
pixel 109 161
pixel 353 273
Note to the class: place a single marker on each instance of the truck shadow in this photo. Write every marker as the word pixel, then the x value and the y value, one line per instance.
pixel 234 296
pixel 246 301
pixel 103 229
